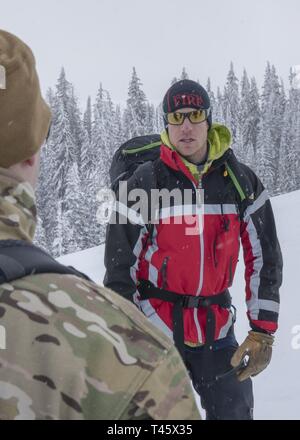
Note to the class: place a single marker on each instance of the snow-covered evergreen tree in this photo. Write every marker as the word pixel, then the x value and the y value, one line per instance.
pixel 119 133
pixel 231 108
pixel 73 212
pixel 269 138
pixel 87 118
pixel 159 119
pixel 63 138
pixel 58 232
pixel 103 135
pixel 58 194
pixel 289 153
pixel 255 118
pixel 213 102
pixel 105 141
pixel 249 119
pixel 47 198
pixel 218 114
pixel 50 96
pixel 40 238
pixel 135 114
pixel 150 119
pixel 184 74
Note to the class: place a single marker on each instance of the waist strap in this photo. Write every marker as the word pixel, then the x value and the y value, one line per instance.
pixel 148 291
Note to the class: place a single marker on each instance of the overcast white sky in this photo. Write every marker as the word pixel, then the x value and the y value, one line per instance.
pixel 101 40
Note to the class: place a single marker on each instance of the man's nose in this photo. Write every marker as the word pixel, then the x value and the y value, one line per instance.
pixel 186 125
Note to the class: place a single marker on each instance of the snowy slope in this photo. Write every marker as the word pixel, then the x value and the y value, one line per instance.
pixel 277 390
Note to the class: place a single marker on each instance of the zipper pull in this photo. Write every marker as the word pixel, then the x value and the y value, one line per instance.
pixel 198 193
pixel 200 183
pixel 164 272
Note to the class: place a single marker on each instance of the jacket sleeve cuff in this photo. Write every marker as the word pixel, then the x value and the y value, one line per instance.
pixel 260 330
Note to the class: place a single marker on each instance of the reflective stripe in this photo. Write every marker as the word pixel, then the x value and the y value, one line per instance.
pixel 145 305
pixel 270 306
pixel 216 209
pixel 181 210
pixel 153 247
pixel 153 272
pixel 253 303
pixel 226 327
pixel 151 314
pixel 198 328
pixel 136 299
pixel 137 252
pixel 259 202
pixel 176 211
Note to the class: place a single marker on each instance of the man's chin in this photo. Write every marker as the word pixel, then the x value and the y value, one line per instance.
pixel 187 146
pixel 188 150
pixel 187 155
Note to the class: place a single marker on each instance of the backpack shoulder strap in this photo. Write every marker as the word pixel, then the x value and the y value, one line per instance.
pixel 235 182
pixel 241 182
pixel 150 175
pixel 19 258
pixel 146 176
pixel 147 179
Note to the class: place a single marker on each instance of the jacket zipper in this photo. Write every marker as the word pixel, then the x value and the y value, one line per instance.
pixel 215 252
pixel 230 271
pixel 201 241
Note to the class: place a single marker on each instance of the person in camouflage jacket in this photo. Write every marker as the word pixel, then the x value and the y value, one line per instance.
pixel 73 350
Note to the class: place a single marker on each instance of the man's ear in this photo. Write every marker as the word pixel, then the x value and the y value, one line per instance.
pixel 30 161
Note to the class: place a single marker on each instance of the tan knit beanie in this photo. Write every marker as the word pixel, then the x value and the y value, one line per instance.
pixel 24 115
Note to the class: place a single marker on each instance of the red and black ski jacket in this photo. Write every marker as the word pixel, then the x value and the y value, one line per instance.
pixel 181 258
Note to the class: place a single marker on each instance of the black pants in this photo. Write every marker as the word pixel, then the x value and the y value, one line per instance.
pixel 224 399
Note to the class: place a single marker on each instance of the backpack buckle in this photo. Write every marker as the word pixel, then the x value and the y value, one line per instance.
pixel 190 302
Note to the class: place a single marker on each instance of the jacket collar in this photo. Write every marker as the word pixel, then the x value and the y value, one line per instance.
pixel 173 160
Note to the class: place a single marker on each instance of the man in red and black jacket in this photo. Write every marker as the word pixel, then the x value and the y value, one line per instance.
pixel 178 271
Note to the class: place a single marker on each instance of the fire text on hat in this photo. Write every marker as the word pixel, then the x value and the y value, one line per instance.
pixel 188 100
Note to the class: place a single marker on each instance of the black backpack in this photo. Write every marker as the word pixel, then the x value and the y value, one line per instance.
pixel 19 258
pixel 133 153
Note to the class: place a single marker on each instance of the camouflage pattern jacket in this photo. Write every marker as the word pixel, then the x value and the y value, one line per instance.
pixel 75 350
